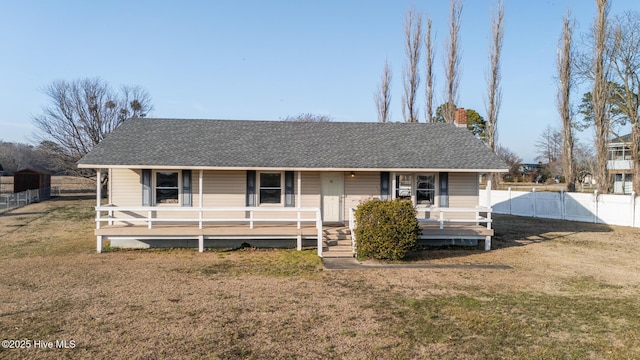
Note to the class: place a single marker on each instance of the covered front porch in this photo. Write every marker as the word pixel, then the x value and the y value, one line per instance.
pixel 266 226
pixel 299 225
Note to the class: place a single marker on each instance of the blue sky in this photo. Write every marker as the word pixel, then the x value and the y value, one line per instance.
pixel 269 59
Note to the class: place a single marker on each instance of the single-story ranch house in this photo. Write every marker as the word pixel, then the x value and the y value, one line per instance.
pixel 268 183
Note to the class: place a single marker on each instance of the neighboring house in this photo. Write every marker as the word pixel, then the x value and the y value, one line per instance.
pixel 530 172
pixel 620 164
pixel 209 182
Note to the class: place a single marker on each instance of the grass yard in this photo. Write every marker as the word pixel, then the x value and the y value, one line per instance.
pixel 571 292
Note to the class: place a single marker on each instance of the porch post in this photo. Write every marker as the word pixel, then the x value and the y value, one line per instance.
pixel 200 198
pixel 200 243
pixel 299 201
pixel 98 198
pixel 392 191
pixel 299 189
pixel 98 188
pixel 200 181
pixel 487 239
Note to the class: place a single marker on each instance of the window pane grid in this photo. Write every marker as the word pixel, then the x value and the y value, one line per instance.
pixel 270 188
pixel 167 190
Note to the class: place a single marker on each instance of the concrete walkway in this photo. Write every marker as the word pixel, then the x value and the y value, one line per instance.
pixel 353 264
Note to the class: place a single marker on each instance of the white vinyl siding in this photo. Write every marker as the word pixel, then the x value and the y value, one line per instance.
pixel 227 188
pixel 126 189
pixel 463 192
pixel 310 189
pixel 224 189
pixel 359 188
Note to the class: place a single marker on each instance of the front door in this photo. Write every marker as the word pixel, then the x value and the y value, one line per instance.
pixel 332 191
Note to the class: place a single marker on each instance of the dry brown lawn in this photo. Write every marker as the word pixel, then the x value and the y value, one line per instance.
pixel 571 292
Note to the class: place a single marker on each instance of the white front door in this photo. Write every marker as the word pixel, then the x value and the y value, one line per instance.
pixel 332 191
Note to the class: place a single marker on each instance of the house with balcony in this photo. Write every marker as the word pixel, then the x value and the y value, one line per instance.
pixel 216 183
pixel 620 164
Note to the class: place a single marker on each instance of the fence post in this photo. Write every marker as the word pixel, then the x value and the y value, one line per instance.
pixel 562 210
pixel 633 209
pixel 595 201
pixel 509 200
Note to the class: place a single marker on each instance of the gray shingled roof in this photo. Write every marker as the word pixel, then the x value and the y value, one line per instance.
pixel 292 145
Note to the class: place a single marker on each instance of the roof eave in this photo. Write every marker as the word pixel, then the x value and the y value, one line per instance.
pixel 267 168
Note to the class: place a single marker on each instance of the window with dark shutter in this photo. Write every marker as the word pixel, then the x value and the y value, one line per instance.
pixel 251 188
pixel 444 189
pixel 187 192
pixel 289 197
pixel 145 180
pixel 384 185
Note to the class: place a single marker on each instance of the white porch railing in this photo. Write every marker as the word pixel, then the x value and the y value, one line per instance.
pixel 477 211
pixel 619 164
pixel 442 219
pixel 149 215
pixel 352 227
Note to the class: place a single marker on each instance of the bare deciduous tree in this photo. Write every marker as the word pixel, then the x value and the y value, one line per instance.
pixel 493 77
pixel 382 96
pixel 429 57
pixel 411 77
pixel 83 111
pixel 565 83
pixel 308 117
pixel 512 160
pixel 452 61
pixel 624 45
pixel 549 145
pixel 599 92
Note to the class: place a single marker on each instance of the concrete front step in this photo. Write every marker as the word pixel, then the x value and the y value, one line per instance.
pixel 337 236
pixel 330 242
pixel 337 243
pixel 338 254
pixel 339 251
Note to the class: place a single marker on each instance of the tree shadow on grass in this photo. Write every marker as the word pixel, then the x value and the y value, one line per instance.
pixel 512 231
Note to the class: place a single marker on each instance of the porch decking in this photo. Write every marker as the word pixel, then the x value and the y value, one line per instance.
pixel 337 240
pixel 209 231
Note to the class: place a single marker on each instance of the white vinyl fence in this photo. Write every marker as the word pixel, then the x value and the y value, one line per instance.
pixel 621 210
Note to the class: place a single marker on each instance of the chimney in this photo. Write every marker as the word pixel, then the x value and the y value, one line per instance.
pixel 460 118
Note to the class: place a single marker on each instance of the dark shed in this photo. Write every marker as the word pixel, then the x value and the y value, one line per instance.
pixel 30 179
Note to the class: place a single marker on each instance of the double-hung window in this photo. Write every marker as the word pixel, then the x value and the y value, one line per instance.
pixel 404 186
pixel 167 187
pixel 270 188
pixel 425 189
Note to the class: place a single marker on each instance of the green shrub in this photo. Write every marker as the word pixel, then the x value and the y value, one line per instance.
pixel 386 230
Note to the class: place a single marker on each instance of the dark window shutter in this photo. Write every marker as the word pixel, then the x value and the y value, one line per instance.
pixel 289 197
pixel 146 187
pixel 384 185
pixel 444 189
pixel 187 193
pixel 251 188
